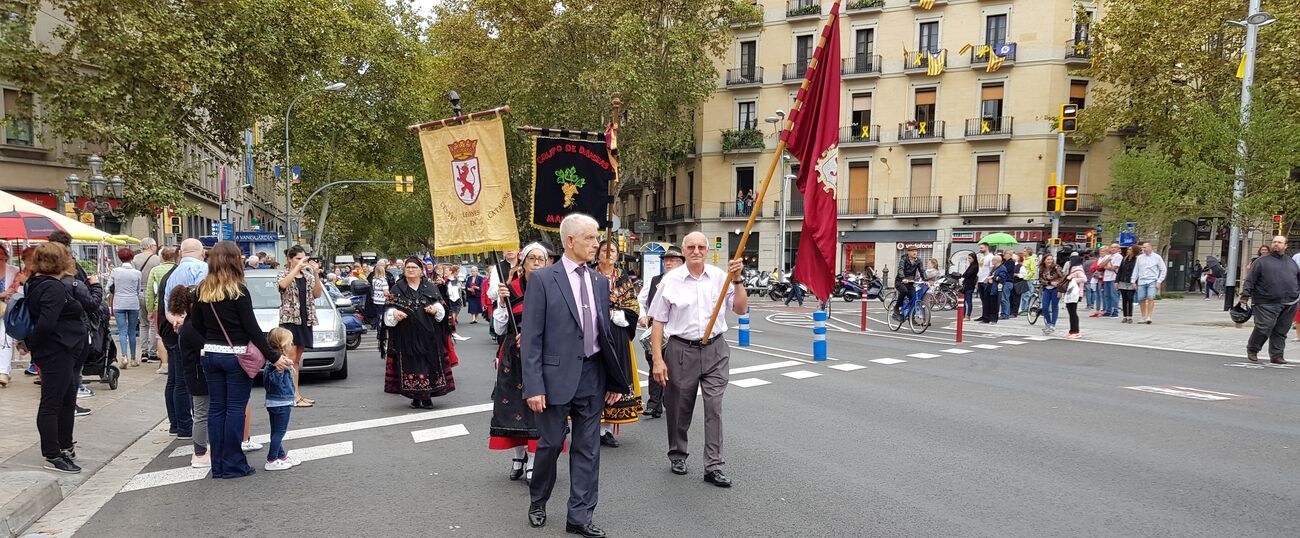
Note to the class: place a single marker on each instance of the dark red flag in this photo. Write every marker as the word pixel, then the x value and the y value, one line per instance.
pixel 812 136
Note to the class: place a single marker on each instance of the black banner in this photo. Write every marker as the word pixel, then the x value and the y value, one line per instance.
pixel 569 176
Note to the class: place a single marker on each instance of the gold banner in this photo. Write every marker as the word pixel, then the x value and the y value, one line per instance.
pixel 469 188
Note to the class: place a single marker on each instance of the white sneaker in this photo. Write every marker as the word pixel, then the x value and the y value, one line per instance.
pixel 85 392
pixel 459 338
pixel 201 462
pixel 250 446
pixel 292 460
pixel 281 464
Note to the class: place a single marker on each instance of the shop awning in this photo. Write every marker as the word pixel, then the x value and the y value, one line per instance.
pixel 78 230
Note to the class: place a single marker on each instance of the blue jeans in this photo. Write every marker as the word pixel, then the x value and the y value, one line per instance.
pixel 128 327
pixel 796 294
pixel 970 301
pixel 1090 294
pixel 279 426
pixel 1051 305
pixel 1004 299
pixel 1026 298
pixel 1110 298
pixel 228 391
pixel 177 394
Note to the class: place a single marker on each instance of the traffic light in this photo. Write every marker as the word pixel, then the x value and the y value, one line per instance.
pixel 1277 225
pixel 1054 242
pixel 1069 198
pixel 1054 198
pixel 717 242
pixel 404 184
pixel 1088 234
pixel 1068 122
pixel 174 224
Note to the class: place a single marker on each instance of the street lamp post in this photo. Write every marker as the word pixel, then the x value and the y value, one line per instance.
pixel 288 170
pixel 101 190
pixel 785 189
pixel 1255 18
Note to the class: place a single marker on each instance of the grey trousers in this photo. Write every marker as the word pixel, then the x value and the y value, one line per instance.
pixel 690 369
pixel 1272 321
pixel 200 429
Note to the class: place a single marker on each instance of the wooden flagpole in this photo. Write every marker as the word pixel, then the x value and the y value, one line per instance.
pixel 613 185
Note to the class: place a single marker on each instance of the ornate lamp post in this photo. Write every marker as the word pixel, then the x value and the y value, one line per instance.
pixel 101 191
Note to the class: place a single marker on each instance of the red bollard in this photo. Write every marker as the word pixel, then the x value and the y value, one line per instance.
pixel 961 315
pixel 864 314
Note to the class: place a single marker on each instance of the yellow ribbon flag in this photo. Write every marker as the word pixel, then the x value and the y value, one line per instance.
pixel 926 4
pixel 920 127
pixel 965 48
pixel 984 127
pixel 984 51
pixel 995 63
pixel 469 187
pixel 1241 67
pixel 937 60
pixel 866 132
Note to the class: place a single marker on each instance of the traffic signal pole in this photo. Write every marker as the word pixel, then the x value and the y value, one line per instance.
pixel 1060 176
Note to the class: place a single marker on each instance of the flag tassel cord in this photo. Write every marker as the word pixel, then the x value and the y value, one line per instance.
pixel 740 248
pixel 458 119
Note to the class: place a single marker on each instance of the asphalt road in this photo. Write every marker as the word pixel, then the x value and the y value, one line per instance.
pixel 1040 438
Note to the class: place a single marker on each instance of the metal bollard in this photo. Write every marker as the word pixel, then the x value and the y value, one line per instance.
pixel 961 314
pixel 819 335
pixel 864 315
pixel 744 329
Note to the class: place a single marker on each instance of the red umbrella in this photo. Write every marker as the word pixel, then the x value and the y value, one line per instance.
pixel 24 225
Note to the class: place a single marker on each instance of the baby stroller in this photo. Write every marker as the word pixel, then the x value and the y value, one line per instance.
pixel 103 352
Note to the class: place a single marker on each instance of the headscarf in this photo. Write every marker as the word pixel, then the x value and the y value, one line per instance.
pixel 523 253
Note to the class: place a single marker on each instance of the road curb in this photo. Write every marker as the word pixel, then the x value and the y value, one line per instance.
pixel 37 493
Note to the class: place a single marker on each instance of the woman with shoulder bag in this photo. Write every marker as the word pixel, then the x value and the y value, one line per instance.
pixel 1075 282
pixel 57 343
pixel 968 278
pixel 232 340
pixel 1126 288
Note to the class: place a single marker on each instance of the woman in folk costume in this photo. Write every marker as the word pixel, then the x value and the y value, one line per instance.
pixel 512 425
pixel 623 315
pixel 420 354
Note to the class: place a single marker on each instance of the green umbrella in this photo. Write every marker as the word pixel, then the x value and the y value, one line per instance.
pixel 999 240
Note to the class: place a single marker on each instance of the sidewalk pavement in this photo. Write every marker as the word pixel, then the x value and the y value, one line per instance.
pixel 1187 324
pixel 119 418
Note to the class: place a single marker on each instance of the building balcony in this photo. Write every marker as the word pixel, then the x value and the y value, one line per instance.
pixel 864 6
pixel 1089 203
pixel 859 135
pixel 734 210
pixel 680 212
pixel 918 132
pixel 989 128
pixel 657 216
pixel 981 56
pixel 795 206
pixel 803 9
pixel 918 61
pixel 860 67
pixel 794 73
pixel 741 77
pixel 742 141
pixel 1079 52
pixel 918 206
pixel 921 3
pixel 984 204
pixel 859 207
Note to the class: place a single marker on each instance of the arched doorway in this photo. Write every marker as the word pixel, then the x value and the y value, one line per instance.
pixel 1182 248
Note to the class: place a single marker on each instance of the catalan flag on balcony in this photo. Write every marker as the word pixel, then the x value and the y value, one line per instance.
pixel 813 139
pixel 936 63
pixel 995 63
pixel 926 4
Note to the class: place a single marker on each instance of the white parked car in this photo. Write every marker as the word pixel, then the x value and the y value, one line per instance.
pixel 328 353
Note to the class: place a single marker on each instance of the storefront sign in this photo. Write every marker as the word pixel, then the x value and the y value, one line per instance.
pixel 915 245
pixel 256 237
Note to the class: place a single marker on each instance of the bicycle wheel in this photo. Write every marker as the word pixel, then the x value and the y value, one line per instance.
pixel 887 295
pixel 1035 309
pixel 919 321
pixel 895 323
pixel 947 300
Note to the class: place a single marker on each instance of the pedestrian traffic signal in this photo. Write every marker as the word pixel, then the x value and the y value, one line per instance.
pixel 1069 198
pixel 404 183
pixel 1088 234
pixel 1277 225
pixel 1054 198
pixel 1068 122
pixel 717 242
pixel 174 225
pixel 1054 242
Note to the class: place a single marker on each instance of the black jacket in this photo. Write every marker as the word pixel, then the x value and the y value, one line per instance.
pixel 236 315
pixel 1273 279
pixel 1125 271
pixel 969 276
pixel 58 310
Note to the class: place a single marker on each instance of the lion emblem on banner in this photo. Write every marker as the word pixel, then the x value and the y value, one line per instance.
pixel 828 168
pixel 465 170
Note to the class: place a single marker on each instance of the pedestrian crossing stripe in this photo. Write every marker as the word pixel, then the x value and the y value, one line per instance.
pixel 750 382
pixel 956 351
pixel 923 356
pixel 1038 338
pixel 800 374
pixel 847 367
pixel 442 432
pixel 1012 342
pixel 986 346
pixel 888 361
pixel 190 474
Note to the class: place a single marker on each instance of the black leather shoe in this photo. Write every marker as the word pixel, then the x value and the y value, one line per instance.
pixel 1278 360
pixel 517 473
pixel 609 440
pixel 716 478
pixel 589 530
pixel 678 467
pixel 1252 356
pixel 536 515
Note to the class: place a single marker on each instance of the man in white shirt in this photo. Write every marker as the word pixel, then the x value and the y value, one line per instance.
pixel 1149 274
pixel 699 361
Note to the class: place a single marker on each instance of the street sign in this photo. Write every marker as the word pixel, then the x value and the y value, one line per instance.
pixel 1098 228
pixel 1131 226
pixel 225 211
pixel 643 227
pixel 296 173
pixel 1127 239
pixel 223 231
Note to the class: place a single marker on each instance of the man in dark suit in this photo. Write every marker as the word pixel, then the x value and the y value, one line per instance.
pixel 570 371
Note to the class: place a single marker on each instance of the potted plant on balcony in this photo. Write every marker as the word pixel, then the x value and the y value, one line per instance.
pixel 864 4
pixel 741 139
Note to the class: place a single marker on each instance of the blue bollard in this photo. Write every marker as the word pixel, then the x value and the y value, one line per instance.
pixel 744 329
pixel 819 335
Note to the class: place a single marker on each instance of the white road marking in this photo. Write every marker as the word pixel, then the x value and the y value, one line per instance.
pixel 1209 391
pixel 1012 342
pixel 956 351
pixel 761 367
pixel 847 367
pixel 770 354
pixel 345 427
pixel 1038 338
pixel 800 374
pixel 923 356
pixel 750 382
pixel 190 474
pixel 1189 394
pixel 442 432
pixel 986 346
pixel 888 361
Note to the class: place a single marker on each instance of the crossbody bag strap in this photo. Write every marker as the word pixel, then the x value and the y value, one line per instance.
pixel 220 324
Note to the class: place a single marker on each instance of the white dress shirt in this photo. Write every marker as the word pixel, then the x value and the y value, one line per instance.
pixel 685 302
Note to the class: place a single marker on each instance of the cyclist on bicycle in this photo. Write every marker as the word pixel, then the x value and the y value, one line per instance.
pixel 910 270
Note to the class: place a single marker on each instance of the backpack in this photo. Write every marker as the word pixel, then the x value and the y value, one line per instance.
pixel 18 320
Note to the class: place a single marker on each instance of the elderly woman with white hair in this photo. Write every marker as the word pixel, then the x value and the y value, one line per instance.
pixel 512 426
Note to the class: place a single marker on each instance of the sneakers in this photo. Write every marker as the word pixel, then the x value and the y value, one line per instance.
pixel 162 370
pixel 4 380
pixel 31 368
pixel 84 392
pixel 1074 336
pixel 62 465
pixel 185 436
pixel 69 454
pixel 201 462
pixel 282 464
pixel 250 446
pixel 82 411
pixel 459 338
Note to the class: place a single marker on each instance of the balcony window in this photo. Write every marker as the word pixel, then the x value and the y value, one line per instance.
pixel 859 181
pixel 995 30
pixel 988 172
pixel 1074 169
pixel 991 102
pixel 924 110
pixel 920 178
pixel 861 114
pixel 803 53
pixel 1078 93
pixel 864 43
pixel 748 58
pixel 746 115
pixel 745 184
pixel 16 112
pixel 803 8
pixel 928 37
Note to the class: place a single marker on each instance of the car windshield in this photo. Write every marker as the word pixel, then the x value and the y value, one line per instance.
pixel 266 293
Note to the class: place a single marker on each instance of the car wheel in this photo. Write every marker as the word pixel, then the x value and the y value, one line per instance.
pixel 342 373
pixel 354 341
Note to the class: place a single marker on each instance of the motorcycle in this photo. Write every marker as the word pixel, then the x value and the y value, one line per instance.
pixel 872 286
pixel 849 289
